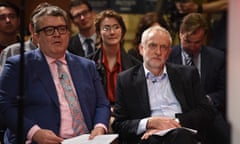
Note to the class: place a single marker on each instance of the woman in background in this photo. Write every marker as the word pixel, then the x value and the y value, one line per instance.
pixel 146 21
pixel 110 56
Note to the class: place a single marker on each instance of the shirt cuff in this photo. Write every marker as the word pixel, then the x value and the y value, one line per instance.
pixel 142 127
pixel 31 132
pixel 101 125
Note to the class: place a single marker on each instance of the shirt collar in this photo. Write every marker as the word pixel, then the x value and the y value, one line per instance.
pixel 83 38
pixel 51 60
pixel 151 76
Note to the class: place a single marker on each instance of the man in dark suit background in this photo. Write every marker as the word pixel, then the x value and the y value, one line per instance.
pixel 209 61
pixel 158 96
pixel 82 16
pixel 48 116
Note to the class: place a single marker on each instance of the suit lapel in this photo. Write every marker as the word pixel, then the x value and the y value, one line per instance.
pixel 176 55
pixel 205 62
pixel 142 92
pixel 176 84
pixel 77 78
pixel 41 70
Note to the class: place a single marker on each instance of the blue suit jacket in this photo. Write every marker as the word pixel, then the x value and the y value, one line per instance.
pixel 41 105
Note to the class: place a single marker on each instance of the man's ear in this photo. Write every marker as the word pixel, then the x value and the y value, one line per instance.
pixel 180 34
pixel 35 37
pixel 140 48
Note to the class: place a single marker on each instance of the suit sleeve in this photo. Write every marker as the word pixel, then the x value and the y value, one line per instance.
pixel 198 113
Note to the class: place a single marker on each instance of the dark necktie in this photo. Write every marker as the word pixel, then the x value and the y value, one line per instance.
pixel 79 126
pixel 89 46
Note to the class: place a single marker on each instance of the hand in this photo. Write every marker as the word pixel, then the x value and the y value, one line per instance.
pixel 162 123
pixel 186 7
pixel 44 136
pixel 97 131
pixel 148 133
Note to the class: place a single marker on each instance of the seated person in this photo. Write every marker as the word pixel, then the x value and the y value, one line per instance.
pixel 156 96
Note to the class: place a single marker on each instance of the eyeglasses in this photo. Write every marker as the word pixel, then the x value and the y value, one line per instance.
pixel 10 16
pixel 109 28
pixel 84 13
pixel 49 30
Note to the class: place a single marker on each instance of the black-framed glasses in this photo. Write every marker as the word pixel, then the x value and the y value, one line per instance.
pixel 84 13
pixel 49 30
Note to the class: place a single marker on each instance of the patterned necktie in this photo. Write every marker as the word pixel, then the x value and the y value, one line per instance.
pixel 79 126
pixel 189 60
pixel 89 46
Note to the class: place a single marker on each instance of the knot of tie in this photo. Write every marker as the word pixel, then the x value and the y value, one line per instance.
pixel 89 46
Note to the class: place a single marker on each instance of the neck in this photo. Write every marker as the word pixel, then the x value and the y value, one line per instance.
pixel 88 32
pixel 111 51
pixel 156 71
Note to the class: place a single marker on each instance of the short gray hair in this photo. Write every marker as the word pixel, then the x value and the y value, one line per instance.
pixel 155 28
pixel 49 11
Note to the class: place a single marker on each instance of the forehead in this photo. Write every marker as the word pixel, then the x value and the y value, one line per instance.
pixel 78 8
pixel 51 21
pixel 157 35
pixel 198 34
pixel 6 10
pixel 109 21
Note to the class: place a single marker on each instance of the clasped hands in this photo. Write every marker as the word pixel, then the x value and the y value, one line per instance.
pixel 155 124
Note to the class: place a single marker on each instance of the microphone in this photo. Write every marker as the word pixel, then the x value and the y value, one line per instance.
pixel 154 81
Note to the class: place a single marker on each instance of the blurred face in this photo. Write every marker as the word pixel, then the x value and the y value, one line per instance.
pixel 52 36
pixel 9 22
pixel 155 50
pixel 110 32
pixel 192 43
pixel 83 18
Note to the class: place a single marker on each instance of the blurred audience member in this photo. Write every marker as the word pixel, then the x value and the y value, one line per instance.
pixel 217 11
pixel 82 15
pixel 31 44
pixel 9 24
pixel 210 63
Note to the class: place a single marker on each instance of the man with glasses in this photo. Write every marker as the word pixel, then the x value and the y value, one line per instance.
pixel 9 24
pixel 82 16
pixel 30 44
pixel 57 84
